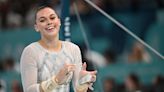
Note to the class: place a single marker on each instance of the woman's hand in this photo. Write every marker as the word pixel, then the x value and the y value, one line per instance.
pixel 84 72
pixel 64 72
pixel 86 83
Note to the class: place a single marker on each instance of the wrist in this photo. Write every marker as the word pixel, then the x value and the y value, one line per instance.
pixel 49 85
pixel 56 81
pixel 82 88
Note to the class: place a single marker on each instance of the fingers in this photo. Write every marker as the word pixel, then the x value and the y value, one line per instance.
pixel 84 72
pixel 84 66
pixel 69 68
pixel 93 79
pixel 93 72
pixel 90 72
pixel 90 86
pixel 65 72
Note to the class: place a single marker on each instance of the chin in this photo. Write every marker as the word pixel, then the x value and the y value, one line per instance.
pixel 53 34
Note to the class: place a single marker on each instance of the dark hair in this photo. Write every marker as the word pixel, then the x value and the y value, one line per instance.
pixel 134 78
pixel 40 8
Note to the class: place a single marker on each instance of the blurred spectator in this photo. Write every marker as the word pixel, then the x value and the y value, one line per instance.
pixel 99 3
pixel 14 20
pixel 1 66
pixel 16 87
pixel 21 7
pixel 2 86
pixel 82 7
pixel 109 85
pixel 4 8
pixel 138 53
pixel 110 56
pixel 132 84
pixel 158 84
pixel 8 64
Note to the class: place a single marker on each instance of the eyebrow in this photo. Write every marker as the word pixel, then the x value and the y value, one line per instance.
pixel 41 18
pixel 44 17
pixel 53 15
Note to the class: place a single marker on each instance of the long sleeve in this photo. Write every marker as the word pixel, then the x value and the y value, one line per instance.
pixel 78 62
pixel 79 84
pixel 29 73
pixel 29 70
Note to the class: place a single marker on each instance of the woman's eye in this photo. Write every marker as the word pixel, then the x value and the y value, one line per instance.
pixel 52 18
pixel 42 20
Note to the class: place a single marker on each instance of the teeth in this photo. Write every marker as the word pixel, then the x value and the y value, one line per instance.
pixel 50 28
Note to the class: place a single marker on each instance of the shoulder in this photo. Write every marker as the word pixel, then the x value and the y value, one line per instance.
pixel 30 53
pixel 71 48
pixel 70 45
pixel 30 48
pixel 29 56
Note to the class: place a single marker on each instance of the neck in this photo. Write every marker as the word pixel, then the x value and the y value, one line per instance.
pixel 51 44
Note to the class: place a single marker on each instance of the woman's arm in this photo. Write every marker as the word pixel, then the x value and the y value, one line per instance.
pixel 29 73
pixel 81 73
pixel 78 62
pixel 29 69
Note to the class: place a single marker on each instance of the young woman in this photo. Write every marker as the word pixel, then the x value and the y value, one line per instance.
pixel 49 65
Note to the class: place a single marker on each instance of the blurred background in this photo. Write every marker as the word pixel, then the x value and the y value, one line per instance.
pixel 123 63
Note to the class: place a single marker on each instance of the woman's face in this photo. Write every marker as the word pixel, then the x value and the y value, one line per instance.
pixel 47 23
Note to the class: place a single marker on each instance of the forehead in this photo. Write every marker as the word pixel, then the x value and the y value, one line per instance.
pixel 45 12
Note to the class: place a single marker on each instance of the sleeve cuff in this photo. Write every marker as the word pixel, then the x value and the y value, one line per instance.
pixel 49 85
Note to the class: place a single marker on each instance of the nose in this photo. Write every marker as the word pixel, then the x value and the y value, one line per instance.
pixel 49 22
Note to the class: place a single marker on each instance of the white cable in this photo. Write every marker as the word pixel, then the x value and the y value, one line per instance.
pixel 81 27
pixel 83 32
pixel 125 29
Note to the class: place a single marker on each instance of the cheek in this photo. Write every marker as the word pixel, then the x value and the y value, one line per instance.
pixel 41 26
pixel 57 22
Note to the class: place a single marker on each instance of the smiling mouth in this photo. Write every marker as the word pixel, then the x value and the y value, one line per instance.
pixel 50 29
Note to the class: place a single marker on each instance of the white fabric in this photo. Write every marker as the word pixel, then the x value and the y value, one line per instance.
pixel 96 58
pixel 38 65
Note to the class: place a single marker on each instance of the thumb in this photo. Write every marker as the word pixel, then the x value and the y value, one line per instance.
pixel 84 66
pixel 93 72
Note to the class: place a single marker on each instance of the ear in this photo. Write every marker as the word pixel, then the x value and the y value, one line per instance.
pixel 36 28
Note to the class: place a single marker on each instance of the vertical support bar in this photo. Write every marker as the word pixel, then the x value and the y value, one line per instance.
pixel 65 19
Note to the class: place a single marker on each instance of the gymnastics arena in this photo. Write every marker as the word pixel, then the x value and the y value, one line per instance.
pixel 122 39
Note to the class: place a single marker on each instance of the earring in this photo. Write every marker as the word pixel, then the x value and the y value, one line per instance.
pixel 37 30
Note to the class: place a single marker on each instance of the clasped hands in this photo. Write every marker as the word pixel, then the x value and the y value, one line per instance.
pixel 64 72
